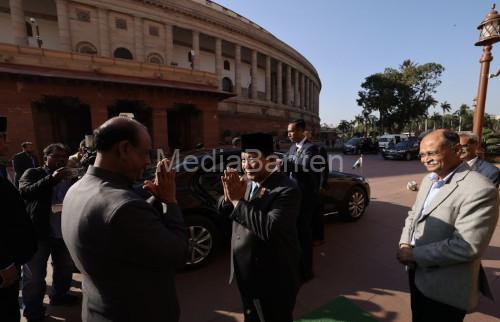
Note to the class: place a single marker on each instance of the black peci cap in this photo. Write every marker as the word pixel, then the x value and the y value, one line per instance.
pixel 257 141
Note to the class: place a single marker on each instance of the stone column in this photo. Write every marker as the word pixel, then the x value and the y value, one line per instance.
pixel 63 25
pixel 296 98
pixel 17 20
pixel 218 60
pixel 160 129
pixel 268 78
pixel 253 72
pixel 288 85
pixel 237 70
pixel 311 84
pixel 103 32
pixel 169 44
pixel 302 92
pixel 279 76
pixel 139 39
pixel 196 49
pixel 306 93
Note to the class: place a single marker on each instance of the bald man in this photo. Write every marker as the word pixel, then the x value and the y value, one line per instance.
pixel 447 230
pixel 126 249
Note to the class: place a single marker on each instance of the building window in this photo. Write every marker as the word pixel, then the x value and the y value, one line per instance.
pixel 155 59
pixel 86 48
pixel 122 53
pixel 154 31
pixel 227 65
pixel 227 84
pixel 83 15
pixel 29 29
pixel 121 23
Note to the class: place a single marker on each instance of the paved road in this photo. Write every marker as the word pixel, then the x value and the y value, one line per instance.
pixel 357 261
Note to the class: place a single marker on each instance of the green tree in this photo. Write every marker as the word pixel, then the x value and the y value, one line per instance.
pixel 344 127
pixel 446 107
pixel 464 114
pixel 400 95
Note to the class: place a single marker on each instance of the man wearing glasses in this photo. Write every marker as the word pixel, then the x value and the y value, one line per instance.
pixel 470 145
pixel 447 230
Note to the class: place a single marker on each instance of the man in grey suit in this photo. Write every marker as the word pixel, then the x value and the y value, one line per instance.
pixel 264 245
pixel 125 247
pixel 470 144
pixel 447 230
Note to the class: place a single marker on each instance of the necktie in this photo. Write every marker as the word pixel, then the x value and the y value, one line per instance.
pixel 255 188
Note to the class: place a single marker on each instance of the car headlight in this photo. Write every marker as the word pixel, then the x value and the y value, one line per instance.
pixel 363 179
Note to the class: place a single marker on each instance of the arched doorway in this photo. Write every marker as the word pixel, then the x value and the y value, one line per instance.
pixel 184 127
pixel 122 53
pixel 61 119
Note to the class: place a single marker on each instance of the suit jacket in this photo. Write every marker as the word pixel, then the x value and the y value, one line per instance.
pixel 21 162
pixel 126 249
pixel 300 165
pixel 17 236
pixel 488 170
pixel 36 187
pixel 264 244
pixel 451 235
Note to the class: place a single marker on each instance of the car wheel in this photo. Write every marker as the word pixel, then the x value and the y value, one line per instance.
pixel 355 204
pixel 408 156
pixel 202 240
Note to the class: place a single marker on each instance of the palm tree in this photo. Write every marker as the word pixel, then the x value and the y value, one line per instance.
pixel 446 107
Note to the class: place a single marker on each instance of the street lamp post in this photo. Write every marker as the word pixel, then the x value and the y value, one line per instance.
pixel 489 34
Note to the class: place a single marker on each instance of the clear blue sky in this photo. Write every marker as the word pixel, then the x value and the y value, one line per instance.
pixel 348 40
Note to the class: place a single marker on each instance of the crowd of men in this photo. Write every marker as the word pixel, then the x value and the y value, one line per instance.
pixel 128 248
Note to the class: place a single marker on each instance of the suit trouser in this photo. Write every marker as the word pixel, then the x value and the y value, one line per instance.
pixel 304 231
pixel 9 304
pixel 34 273
pixel 424 309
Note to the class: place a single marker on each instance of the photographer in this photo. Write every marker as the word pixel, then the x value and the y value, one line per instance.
pixel 43 190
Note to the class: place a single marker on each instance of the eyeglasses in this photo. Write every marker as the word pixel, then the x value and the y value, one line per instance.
pixel 428 154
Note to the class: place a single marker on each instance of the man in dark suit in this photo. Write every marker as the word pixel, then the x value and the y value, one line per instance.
pixel 23 161
pixel 470 144
pixel 17 241
pixel 318 225
pixel 43 190
pixel 264 245
pixel 126 248
pixel 303 162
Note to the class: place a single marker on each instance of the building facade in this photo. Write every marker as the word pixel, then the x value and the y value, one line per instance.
pixel 192 71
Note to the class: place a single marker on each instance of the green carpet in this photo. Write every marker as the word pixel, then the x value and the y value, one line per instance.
pixel 338 310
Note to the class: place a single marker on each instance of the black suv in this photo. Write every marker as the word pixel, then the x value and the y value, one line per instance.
pixel 360 145
pixel 198 191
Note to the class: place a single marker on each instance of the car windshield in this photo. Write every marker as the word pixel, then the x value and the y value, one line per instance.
pixel 353 141
pixel 383 140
